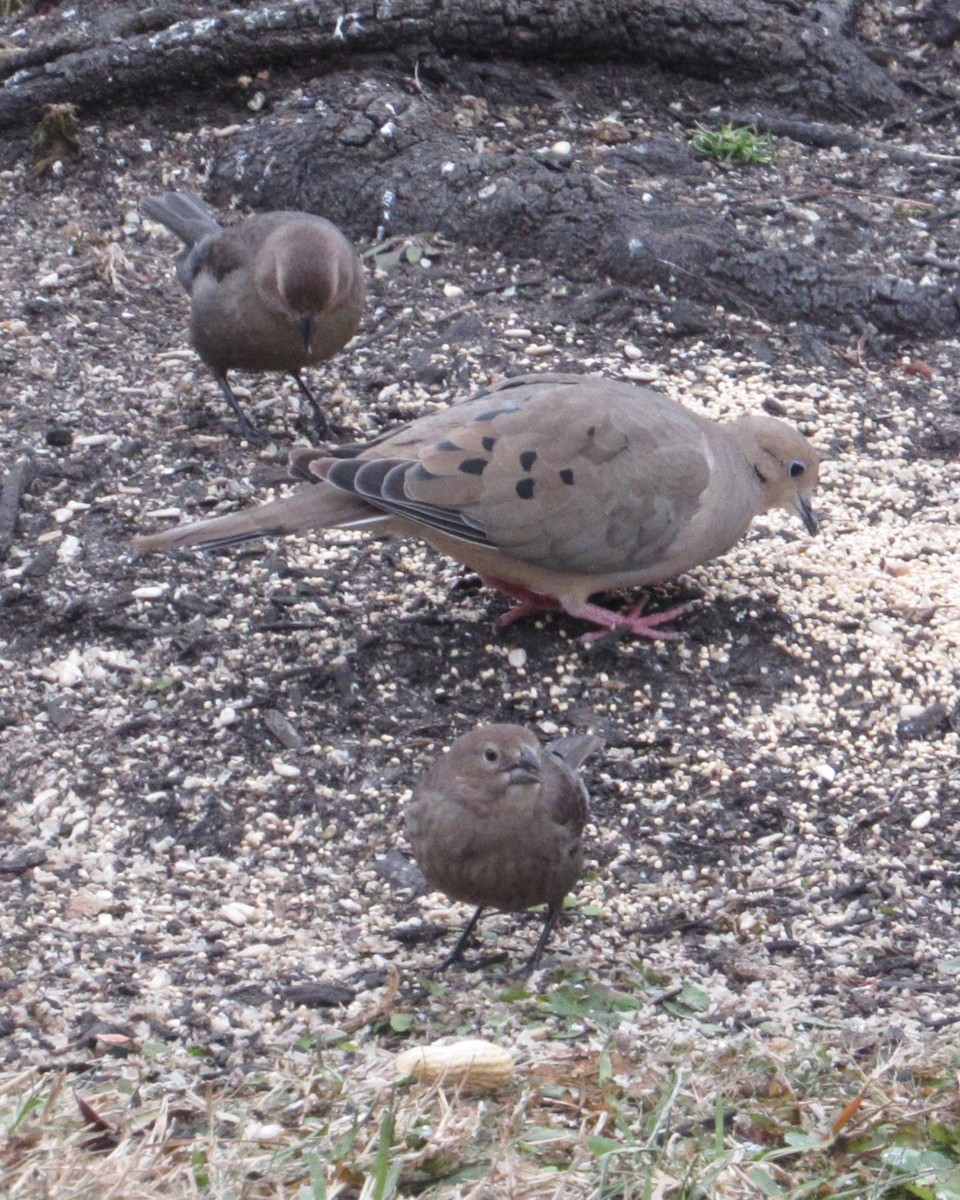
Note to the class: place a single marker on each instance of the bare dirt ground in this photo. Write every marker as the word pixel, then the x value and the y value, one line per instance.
pixel 204 757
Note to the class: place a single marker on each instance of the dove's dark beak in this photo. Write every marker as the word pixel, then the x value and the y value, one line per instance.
pixel 305 325
pixel 807 515
pixel 527 767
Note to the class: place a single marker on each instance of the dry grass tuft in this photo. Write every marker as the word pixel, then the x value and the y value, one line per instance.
pixel 595 1117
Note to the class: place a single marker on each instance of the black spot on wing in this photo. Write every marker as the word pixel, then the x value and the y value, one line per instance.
pixel 566 475
pixel 525 489
pixel 527 459
pixel 488 443
pixel 446 444
pixel 473 466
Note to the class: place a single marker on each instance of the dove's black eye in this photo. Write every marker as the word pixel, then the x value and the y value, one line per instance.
pixel 490 754
pixel 796 468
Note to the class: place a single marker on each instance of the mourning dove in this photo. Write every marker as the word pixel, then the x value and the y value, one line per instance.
pixel 498 821
pixel 277 292
pixel 552 487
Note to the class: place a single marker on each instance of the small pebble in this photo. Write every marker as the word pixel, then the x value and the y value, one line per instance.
pixel 69 549
pixel 95 439
pixel 237 913
pixel 639 374
pixel 69 672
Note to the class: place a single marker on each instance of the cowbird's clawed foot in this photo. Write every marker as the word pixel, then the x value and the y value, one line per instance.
pixel 524 971
pixel 456 954
pixel 247 427
pixel 322 430
pixel 487 960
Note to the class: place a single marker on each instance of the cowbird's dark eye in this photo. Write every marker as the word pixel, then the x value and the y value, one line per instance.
pixel 796 468
pixel 490 754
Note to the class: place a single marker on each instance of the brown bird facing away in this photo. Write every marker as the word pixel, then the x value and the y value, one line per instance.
pixel 498 822
pixel 552 487
pixel 277 292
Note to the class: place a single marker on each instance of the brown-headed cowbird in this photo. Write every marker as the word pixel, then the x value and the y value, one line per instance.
pixel 498 821
pixel 552 487
pixel 276 292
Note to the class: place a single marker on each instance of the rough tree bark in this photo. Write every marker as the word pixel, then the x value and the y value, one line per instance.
pixel 373 154
pixel 161 50
pixel 387 138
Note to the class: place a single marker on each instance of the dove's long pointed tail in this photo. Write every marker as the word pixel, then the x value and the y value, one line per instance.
pixel 316 506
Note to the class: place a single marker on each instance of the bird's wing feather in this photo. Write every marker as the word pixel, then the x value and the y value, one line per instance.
pixel 595 478
pixel 566 794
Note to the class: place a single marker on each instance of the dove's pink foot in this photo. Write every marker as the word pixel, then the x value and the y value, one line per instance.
pixel 632 621
pixel 610 622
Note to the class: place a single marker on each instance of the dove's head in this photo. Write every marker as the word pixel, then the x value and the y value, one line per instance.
pixel 785 464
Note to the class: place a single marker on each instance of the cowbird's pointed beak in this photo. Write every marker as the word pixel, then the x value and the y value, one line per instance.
pixel 527 767
pixel 306 324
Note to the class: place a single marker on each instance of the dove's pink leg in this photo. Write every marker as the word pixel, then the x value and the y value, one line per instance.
pixel 632 621
pixel 527 601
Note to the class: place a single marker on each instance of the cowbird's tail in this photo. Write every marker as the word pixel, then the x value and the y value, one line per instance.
pixel 183 214
pixel 575 748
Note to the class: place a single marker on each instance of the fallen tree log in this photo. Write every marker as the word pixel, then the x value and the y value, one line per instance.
pixel 100 55
pixel 378 157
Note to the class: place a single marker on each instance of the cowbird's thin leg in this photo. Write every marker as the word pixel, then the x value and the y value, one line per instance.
pixel 456 954
pixel 321 426
pixel 246 424
pixel 553 915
